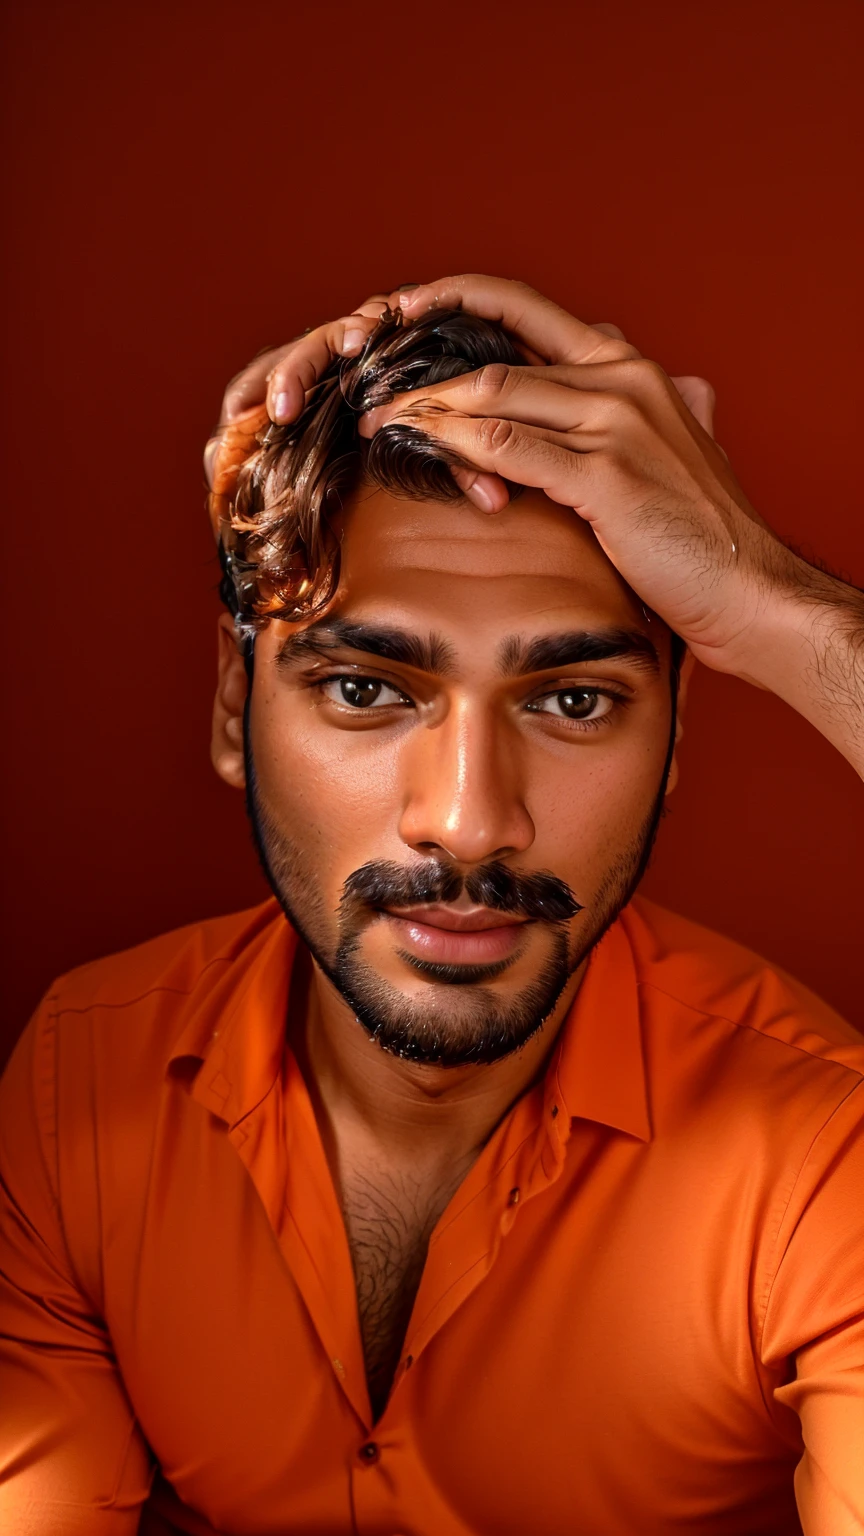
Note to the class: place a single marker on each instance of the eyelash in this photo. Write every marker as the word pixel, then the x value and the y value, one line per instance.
pixel 617 698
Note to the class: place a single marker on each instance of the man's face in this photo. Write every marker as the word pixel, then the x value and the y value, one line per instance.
pixel 456 774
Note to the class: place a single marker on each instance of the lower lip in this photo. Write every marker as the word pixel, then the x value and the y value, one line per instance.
pixel 444 945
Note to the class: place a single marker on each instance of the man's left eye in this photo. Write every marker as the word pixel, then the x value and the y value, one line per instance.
pixel 575 704
pixel 362 692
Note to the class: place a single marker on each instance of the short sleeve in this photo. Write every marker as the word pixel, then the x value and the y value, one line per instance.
pixel 72 1457
pixel 815 1317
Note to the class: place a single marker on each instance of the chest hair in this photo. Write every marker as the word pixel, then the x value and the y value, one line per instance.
pixel 389 1218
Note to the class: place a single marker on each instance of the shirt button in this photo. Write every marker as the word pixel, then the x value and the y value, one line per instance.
pixel 369 1453
pixel 514 1196
pixel 554 1110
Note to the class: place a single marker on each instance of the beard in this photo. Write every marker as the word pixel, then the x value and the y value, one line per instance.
pixel 458 1018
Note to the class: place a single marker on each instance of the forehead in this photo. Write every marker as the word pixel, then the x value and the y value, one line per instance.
pixel 449 563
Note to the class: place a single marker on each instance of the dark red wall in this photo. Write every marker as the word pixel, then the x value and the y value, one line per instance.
pixel 190 181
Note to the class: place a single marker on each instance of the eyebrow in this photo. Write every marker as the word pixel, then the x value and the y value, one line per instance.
pixel 518 655
pixel 429 653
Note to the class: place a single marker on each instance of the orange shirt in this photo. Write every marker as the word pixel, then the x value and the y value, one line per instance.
pixel 642 1311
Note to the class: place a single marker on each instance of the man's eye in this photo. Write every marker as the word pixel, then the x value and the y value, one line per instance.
pixel 362 692
pixel 575 704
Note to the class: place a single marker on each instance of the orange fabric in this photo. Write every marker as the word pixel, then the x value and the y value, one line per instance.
pixel 662 1325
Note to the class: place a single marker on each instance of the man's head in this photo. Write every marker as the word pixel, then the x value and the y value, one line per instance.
pixel 471 725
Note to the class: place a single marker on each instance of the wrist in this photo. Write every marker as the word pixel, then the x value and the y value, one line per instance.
pixel 807 646
pixel 788 611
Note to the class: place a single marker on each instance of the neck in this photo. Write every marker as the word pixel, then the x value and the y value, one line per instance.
pixel 426 1114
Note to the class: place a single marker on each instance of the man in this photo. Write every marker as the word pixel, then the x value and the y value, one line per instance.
pixel 477 1196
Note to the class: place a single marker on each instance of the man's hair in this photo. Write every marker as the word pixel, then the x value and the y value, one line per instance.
pixel 279 552
pixel 277 544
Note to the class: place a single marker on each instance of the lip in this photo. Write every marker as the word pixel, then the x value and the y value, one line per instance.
pixel 455 919
pixel 444 936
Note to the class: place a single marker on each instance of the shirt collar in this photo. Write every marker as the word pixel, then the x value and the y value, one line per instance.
pixel 237 1020
pixel 598 1070
pixel 237 1030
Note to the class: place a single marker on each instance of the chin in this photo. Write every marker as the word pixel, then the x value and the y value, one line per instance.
pixel 467 1014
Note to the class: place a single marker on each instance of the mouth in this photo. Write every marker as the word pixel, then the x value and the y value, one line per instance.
pixel 445 935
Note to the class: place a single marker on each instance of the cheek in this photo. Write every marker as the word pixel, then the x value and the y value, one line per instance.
pixel 589 803
pixel 339 796
pixel 334 791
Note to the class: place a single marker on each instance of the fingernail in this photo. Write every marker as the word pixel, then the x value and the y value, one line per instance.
pixel 281 407
pixel 481 498
pixel 353 341
pixel 368 423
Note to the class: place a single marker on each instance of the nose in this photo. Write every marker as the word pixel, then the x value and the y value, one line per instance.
pixel 462 791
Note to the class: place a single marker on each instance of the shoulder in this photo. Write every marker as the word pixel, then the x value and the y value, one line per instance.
pixel 715 977
pixel 743 1061
pixel 173 965
pixel 99 1044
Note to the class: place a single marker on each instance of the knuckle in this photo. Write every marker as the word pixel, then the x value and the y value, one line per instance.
pixel 641 376
pixel 622 412
pixel 620 351
pixel 491 380
pixel 649 375
pixel 494 434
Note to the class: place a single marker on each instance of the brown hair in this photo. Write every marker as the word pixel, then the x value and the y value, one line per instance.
pixel 280 556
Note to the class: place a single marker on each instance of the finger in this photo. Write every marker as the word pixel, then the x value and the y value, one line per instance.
pixel 520 395
pixel 512 451
pixel 608 329
pixel 395 293
pixel 210 451
pixel 699 398
pixel 562 397
pixel 226 452
pixel 355 337
pixel 488 492
pixel 534 320
pixel 302 365
pixel 250 385
pixel 527 352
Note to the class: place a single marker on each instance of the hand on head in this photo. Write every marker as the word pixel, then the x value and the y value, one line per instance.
pixel 601 429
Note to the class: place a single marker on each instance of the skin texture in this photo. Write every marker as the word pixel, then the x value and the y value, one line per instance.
pixel 631 495
pixel 631 452
pixel 464 773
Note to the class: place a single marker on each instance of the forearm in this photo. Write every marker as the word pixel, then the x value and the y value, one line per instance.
pixel 809 650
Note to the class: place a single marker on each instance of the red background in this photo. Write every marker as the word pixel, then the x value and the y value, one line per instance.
pixel 191 181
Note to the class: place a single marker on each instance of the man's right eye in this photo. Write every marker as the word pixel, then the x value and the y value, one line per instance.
pixel 362 692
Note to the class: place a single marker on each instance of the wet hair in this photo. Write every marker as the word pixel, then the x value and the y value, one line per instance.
pixel 278 547
pixel 280 554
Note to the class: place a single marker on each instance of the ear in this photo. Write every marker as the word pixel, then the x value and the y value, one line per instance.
pixel 226 746
pixel 686 673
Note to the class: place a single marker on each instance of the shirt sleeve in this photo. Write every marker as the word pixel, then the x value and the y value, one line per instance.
pixel 815 1317
pixel 72 1457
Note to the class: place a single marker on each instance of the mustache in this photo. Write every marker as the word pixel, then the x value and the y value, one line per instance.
pixel 540 895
